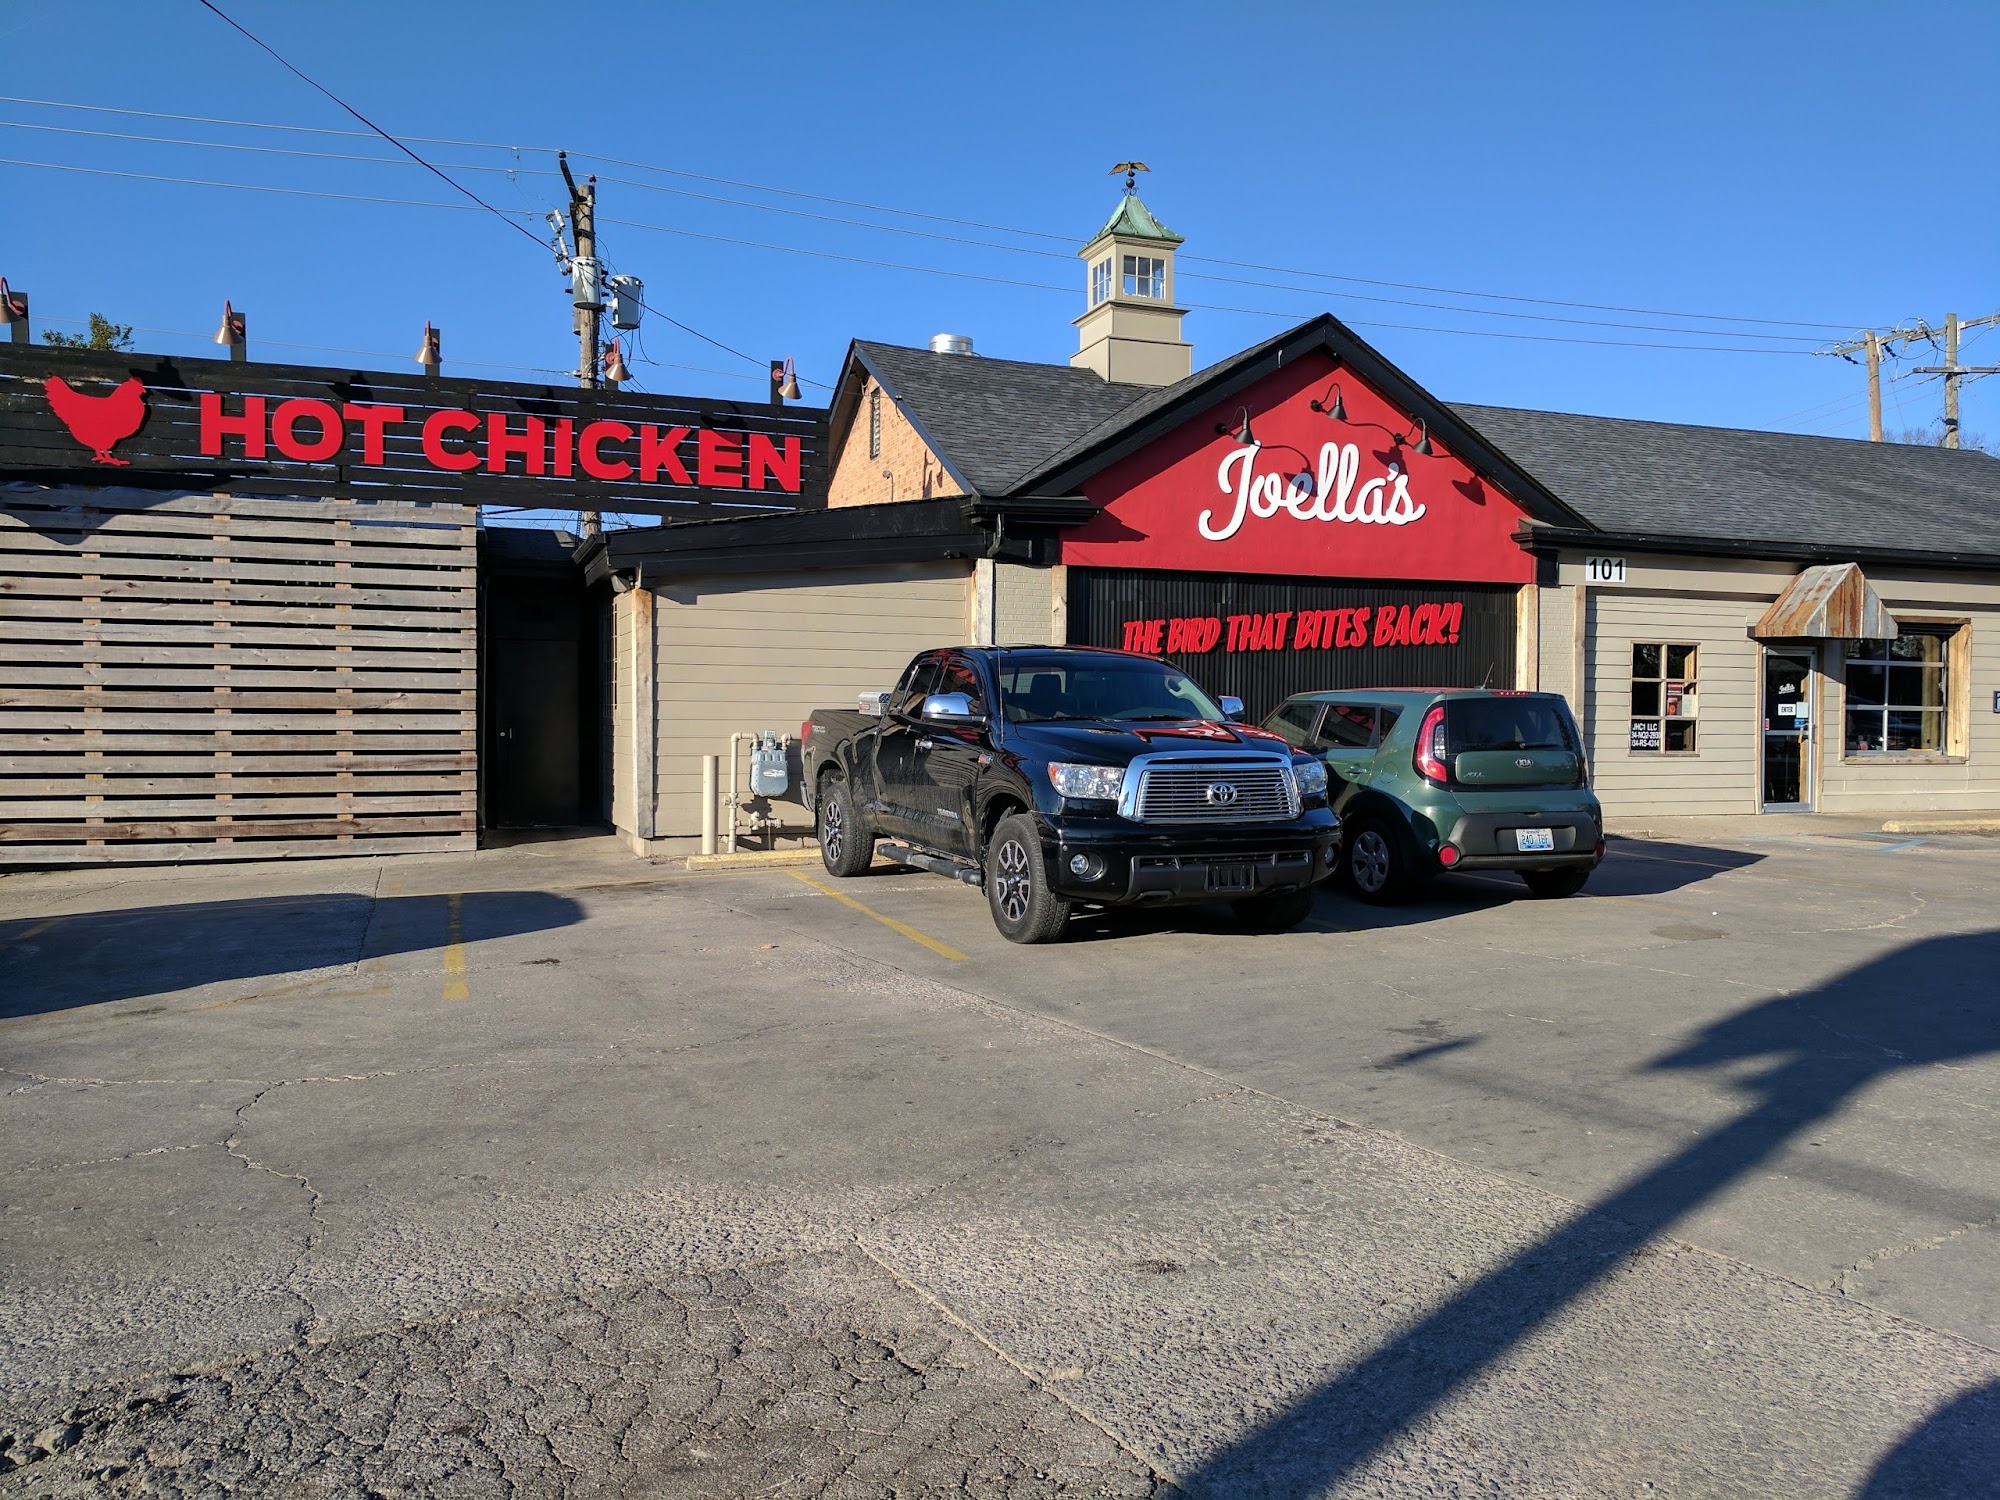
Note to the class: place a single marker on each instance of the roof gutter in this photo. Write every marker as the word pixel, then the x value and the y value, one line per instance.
pixel 1553 538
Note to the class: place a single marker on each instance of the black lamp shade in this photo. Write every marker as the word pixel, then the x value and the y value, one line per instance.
pixel 1244 435
pixel 1424 440
pixel 1338 411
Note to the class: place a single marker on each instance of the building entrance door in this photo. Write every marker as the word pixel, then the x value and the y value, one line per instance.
pixel 1788 734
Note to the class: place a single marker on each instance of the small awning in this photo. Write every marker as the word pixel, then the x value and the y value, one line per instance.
pixel 1830 602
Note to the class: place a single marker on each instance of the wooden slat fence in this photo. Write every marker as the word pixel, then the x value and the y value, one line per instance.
pixel 188 676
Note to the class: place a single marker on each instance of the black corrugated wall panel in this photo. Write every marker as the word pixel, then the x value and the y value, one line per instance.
pixel 1103 600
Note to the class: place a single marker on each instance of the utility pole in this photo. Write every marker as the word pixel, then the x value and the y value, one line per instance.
pixel 1873 342
pixel 587 292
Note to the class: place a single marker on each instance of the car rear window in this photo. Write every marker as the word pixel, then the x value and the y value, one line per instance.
pixel 1524 722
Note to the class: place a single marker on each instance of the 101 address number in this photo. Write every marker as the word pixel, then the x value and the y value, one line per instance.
pixel 1604 570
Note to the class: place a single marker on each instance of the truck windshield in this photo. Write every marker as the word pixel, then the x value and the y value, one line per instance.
pixel 1040 691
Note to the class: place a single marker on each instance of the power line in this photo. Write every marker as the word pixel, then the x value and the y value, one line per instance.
pixel 998 228
pixel 259 187
pixel 441 176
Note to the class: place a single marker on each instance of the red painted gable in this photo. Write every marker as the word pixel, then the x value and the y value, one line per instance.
pixel 1315 497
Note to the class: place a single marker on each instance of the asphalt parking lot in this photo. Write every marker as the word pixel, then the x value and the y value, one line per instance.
pixel 546 1171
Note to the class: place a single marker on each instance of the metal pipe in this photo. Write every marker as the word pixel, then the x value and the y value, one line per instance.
pixel 734 741
pixel 708 804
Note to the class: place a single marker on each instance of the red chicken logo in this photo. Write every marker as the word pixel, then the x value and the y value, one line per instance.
pixel 97 422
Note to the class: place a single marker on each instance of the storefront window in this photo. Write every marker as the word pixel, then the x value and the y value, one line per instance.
pixel 1663 698
pixel 1100 281
pixel 1145 276
pixel 1896 694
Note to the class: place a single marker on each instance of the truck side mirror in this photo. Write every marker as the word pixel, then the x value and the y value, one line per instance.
pixel 1232 710
pixel 951 708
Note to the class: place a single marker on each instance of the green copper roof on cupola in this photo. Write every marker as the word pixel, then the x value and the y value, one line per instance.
pixel 1134 219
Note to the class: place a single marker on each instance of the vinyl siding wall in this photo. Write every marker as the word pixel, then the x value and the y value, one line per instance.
pixel 622 763
pixel 746 654
pixel 1714 603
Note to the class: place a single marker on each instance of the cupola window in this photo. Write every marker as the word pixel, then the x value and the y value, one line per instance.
pixel 1100 281
pixel 1145 276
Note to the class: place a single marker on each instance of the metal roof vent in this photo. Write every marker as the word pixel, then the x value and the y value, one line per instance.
pixel 951 343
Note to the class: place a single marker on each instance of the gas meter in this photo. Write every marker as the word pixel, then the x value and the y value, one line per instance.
pixel 770 776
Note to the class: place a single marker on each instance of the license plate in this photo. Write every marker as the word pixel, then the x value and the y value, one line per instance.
pixel 1534 840
pixel 1231 878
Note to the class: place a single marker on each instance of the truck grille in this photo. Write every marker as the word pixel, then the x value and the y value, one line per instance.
pixel 1216 792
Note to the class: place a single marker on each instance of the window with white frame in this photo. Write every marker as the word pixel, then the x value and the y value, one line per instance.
pixel 1897 693
pixel 1663 698
pixel 1145 276
pixel 1100 281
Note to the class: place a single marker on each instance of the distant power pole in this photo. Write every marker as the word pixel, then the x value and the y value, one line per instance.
pixel 1873 342
pixel 587 293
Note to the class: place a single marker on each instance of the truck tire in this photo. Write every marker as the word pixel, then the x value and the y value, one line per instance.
pixel 1553 885
pixel 1377 869
pixel 1277 913
pixel 1017 885
pixel 846 847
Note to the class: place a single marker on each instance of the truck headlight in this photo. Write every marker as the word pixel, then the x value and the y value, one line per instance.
pixel 1312 777
pixel 1101 782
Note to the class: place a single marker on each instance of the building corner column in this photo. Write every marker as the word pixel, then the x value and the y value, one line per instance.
pixel 645 717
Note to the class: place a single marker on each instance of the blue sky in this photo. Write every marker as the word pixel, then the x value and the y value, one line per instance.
pixel 1823 165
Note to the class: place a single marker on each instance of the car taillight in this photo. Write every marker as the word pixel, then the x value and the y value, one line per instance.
pixel 1430 757
pixel 805 731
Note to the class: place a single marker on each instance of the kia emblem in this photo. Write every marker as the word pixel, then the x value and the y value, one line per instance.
pixel 1524 762
pixel 1219 794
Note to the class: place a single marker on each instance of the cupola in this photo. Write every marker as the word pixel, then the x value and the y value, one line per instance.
pixel 1130 330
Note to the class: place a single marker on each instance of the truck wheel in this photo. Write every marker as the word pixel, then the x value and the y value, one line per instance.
pixel 1377 869
pixel 846 846
pixel 1277 913
pixel 1553 885
pixel 1017 887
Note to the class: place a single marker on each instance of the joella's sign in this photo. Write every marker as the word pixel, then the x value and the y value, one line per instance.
pixel 1314 494
pixel 72 414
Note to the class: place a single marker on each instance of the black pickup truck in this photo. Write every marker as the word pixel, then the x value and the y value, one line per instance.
pixel 1060 776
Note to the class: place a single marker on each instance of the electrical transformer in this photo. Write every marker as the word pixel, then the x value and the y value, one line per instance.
pixel 627 301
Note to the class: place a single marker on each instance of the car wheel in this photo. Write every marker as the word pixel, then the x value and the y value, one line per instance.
pixel 1017 885
pixel 1553 885
pixel 1377 870
pixel 846 847
pixel 1275 913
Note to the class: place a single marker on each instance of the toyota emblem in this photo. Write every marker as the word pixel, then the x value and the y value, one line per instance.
pixel 1219 794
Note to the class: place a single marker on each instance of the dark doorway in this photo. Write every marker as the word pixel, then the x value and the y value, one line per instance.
pixel 1788 730
pixel 539 684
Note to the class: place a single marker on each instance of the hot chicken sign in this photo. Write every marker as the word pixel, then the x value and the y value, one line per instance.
pixel 77 415
pixel 1307 473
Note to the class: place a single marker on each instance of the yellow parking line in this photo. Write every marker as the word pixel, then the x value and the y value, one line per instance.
pixel 890 922
pixel 454 950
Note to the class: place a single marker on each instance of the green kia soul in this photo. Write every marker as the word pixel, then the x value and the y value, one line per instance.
pixel 1429 780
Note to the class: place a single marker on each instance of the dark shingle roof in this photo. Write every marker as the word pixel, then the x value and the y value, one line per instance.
pixel 991 420
pixel 1665 479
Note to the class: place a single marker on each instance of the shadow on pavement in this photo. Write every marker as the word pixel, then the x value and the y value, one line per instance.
pixel 61 963
pixel 1950 1455
pixel 1799 1059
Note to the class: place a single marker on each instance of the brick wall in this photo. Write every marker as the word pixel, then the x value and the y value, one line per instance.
pixel 857 478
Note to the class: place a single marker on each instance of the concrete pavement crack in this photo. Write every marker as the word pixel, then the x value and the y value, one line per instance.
pixel 310 1321
pixel 1843 1284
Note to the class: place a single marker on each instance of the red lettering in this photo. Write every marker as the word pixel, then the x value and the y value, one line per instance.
pixel 1424 625
pixel 657 450
pixel 1135 632
pixel 1238 630
pixel 1154 630
pixel 374 420
pixel 452 460
pixel 1308 632
pixel 1283 620
pixel 215 426
pixel 284 431
pixel 1457 614
pixel 530 444
pixel 767 460
pixel 718 460
pixel 1176 636
pixel 594 463
pixel 565 449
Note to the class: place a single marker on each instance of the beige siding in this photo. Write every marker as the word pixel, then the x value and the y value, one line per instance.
pixel 621 711
pixel 747 654
pixel 1721 776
